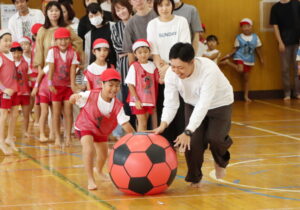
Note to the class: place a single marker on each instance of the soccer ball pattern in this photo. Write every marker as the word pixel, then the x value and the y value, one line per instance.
pixel 142 164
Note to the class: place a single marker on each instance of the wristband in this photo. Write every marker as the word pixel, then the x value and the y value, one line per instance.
pixel 36 85
pixel 50 83
pixel 2 87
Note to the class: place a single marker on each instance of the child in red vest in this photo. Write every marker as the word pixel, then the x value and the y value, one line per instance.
pixel 62 61
pixel 100 114
pixel 94 70
pixel 23 84
pixel 8 92
pixel 33 73
pixel 142 80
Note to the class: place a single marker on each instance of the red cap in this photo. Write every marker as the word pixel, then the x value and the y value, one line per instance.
pixel 98 43
pixel 25 39
pixel 246 21
pixel 203 26
pixel 110 74
pixel 61 33
pixel 15 45
pixel 35 28
pixel 140 43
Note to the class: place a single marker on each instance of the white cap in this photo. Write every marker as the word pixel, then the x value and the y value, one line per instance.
pixel 4 31
pixel 140 43
pixel 246 21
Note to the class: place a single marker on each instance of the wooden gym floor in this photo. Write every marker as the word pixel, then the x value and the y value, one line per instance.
pixel 264 172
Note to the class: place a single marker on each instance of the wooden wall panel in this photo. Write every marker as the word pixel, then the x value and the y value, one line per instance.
pixel 221 18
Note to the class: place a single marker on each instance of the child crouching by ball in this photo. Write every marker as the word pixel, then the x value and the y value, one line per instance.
pixel 100 114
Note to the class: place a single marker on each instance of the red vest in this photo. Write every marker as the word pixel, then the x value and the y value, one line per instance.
pixel 34 71
pixel 91 119
pixel 43 88
pixel 94 80
pixel 61 76
pixel 146 85
pixel 8 73
pixel 22 77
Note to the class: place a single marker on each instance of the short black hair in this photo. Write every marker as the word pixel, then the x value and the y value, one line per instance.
pixel 67 1
pixel 16 49
pixel 14 1
pixel 94 8
pixel 158 2
pixel 67 5
pixel 183 51
pixel 112 80
pixel 212 38
pixel 60 21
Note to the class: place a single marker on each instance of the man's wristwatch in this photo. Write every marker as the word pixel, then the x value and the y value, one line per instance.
pixel 188 132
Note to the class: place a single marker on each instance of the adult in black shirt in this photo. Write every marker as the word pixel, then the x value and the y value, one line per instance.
pixel 285 18
pixel 84 23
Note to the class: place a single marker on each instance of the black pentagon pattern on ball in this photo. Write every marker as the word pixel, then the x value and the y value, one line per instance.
pixel 172 176
pixel 140 185
pixel 121 154
pixel 156 154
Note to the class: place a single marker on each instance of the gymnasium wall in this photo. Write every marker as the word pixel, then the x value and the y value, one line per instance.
pixel 221 18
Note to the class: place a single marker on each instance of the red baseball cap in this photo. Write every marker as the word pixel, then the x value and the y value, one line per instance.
pixel 98 43
pixel 15 45
pixel 61 33
pixel 35 28
pixel 110 74
pixel 25 39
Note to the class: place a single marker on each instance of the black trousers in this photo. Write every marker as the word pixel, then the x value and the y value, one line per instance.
pixel 213 131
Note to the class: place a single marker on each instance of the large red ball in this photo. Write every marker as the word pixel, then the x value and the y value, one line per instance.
pixel 142 164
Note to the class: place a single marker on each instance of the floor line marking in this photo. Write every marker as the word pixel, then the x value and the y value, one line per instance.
pixel 266 130
pixel 68 181
pixel 277 106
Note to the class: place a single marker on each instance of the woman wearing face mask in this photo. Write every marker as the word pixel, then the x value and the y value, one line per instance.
pixel 100 29
pixel 85 24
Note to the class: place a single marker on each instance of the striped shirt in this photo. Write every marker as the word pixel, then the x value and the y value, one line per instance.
pixel 117 40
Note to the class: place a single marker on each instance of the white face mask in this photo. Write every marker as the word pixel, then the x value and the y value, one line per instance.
pixel 176 1
pixel 96 21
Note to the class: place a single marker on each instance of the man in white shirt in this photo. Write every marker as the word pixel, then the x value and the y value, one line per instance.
pixel 208 98
pixel 20 23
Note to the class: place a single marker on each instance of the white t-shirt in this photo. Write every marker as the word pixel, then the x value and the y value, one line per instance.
pixel 248 39
pixel 74 24
pixel 95 69
pixel 21 25
pixel 201 49
pixel 206 88
pixel 163 35
pixel 50 57
pixel 104 107
pixel 27 59
pixel 130 78
pixel 212 52
pixel 17 63
pixel 8 55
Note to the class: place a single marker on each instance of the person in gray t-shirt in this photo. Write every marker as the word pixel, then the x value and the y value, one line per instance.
pixel 136 28
pixel 191 14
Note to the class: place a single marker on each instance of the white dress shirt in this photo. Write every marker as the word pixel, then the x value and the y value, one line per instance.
pixel 206 88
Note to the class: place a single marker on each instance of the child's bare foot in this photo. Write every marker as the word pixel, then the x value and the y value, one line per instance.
pixel 220 172
pixel 68 142
pixel 51 135
pixel 197 184
pixel 6 150
pixel 43 138
pixel 27 135
pixel 36 124
pixel 247 99
pixel 287 98
pixel 57 142
pixel 102 175
pixel 92 185
pixel 11 143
